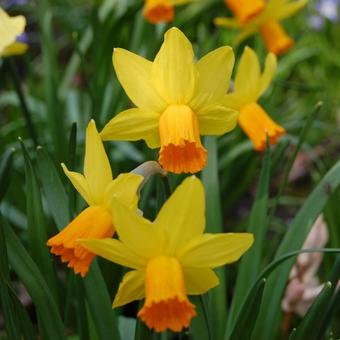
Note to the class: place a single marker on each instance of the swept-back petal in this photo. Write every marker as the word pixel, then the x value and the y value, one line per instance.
pixel 214 71
pixel 217 120
pixel 248 75
pixel 174 71
pixel 136 232
pixel 269 70
pixel 234 100
pixel 132 125
pixel 80 184
pixel 115 251
pixel 290 9
pixel 134 73
pixel 125 189
pixel 215 250
pixel 130 289
pixel 183 214
pixel 199 280
pixel 97 169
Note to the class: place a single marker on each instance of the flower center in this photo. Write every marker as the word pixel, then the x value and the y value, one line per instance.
pixel 275 37
pixel 158 11
pixel 166 304
pixel 181 148
pixel 93 222
pixel 256 123
pixel 245 10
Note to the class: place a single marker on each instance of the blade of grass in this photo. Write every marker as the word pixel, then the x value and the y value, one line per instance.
pixel 200 326
pixel 99 302
pixel 244 326
pixel 53 189
pixel 293 239
pixel 5 171
pixel 37 233
pixel 258 222
pixel 34 282
pixel 310 325
pixel 214 224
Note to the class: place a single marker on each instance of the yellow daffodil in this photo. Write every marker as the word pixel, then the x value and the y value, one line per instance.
pixel 170 257
pixel 10 29
pixel 248 87
pixel 156 11
pixel 98 189
pixel 177 101
pixel 245 10
pixel 268 24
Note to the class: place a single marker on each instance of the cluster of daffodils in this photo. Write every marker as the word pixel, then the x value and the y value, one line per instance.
pixel 251 17
pixel 177 100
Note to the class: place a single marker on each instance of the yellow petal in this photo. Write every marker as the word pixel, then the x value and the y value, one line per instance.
pixel 14 49
pixel 183 214
pixel 199 280
pixel 114 251
pixel 217 120
pixel 248 76
pixel 10 28
pixel 80 184
pixel 134 73
pixel 130 289
pixel 214 71
pixel 138 234
pixel 132 125
pixel 235 101
pixel 269 70
pixel 97 170
pixel 289 9
pixel 181 2
pixel 125 189
pixel 174 70
pixel 215 250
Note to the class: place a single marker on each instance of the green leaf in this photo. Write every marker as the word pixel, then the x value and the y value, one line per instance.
pixel 294 238
pixel 258 222
pixel 5 171
pixel 310 325
pixel 214 224
pixel 200 326
pixel 54 191
pixel 37 233
pixel 34 282
pixel 99 302
pixel 248 313
pixel 143 332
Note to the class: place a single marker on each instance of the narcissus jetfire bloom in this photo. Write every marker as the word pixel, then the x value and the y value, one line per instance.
pixel 267 23
pixel 177 101
pixel 10 29
pixel 249 85
pixel 156 11
pixel 98 189
pixel 245 10
pixel 171 257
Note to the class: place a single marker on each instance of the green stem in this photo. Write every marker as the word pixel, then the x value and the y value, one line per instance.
pixel 24 108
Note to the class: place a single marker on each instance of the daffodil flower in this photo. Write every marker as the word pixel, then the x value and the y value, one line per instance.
pixel 10 29
pixel 245 10
pixel 156 11
pixel 249 85
pixel 98 189
pixel 268 24
pixel 171 257
pixel 177 100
